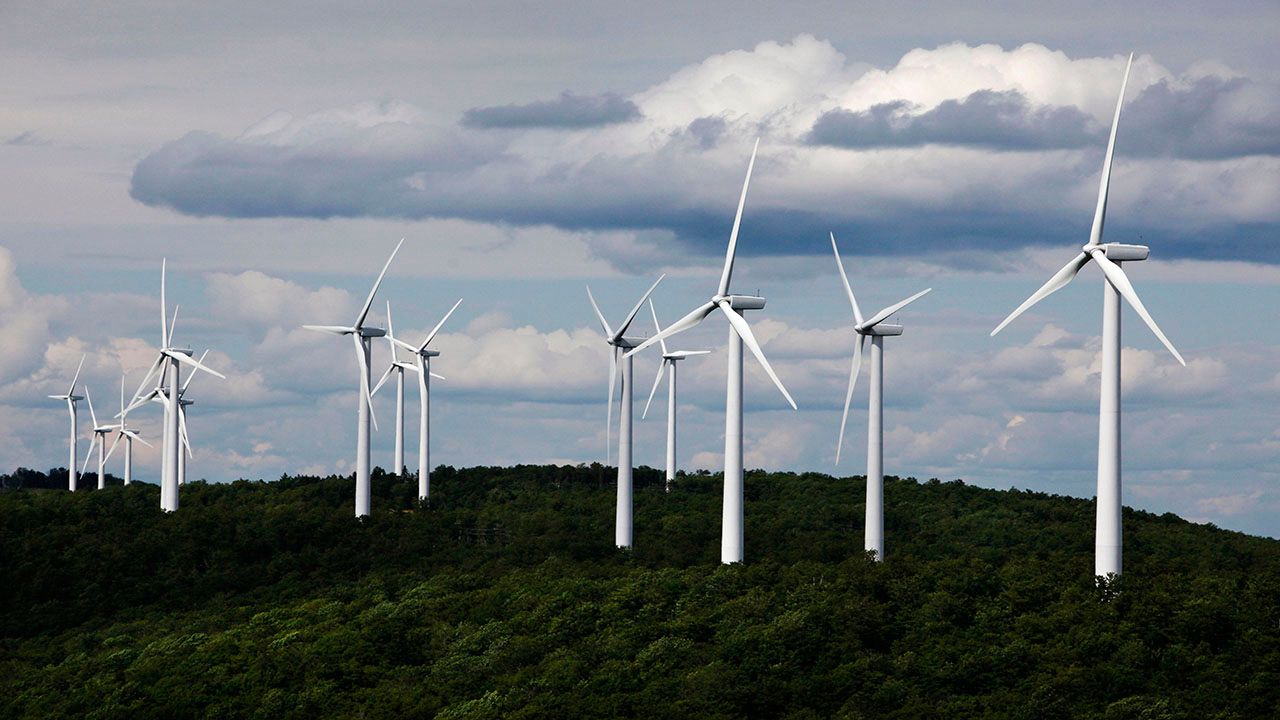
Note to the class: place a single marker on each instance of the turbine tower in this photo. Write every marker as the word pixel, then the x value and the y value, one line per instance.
pixel 1108 256
pixel 360 338
pixel 422 366
pixel 732 307
pixel 875 328
pixel 183 403
pixel 167 364
pixel 669 357
pixel 100 433
pixel 71 397
pixel 128 434
pixel 618 342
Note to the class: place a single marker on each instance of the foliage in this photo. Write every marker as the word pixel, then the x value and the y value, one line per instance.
pixel 504 598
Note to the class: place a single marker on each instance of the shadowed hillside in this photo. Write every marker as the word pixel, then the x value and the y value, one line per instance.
pixel 505 598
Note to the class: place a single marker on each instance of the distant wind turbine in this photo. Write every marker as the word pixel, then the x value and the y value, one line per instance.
pixel 732 307
pixel 422 366
pixel 100 433
pixel 71 398
pixel 123 431
pixel 669 357
pixel 360 337
pixel 875 328
pixel 1108 256
pixel 618 342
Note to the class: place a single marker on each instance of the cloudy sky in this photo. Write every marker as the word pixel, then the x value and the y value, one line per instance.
pixel 275 153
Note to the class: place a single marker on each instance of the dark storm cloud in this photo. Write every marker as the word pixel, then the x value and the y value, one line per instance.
pixel 987 119
pixel 568 111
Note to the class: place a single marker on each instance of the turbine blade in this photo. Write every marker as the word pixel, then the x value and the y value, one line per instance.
pixel 92 415
pixel 182 431
pixel 1100 213
pixel 727 273
pixel 137 437
pixel 438 377
pixel 89 454
pixel 113 447
pixel 164 307
pixel 173 323
pixel 608 422
pixel 187 360
pixel 848 395
pixel 364 311
pixel 885 313
pixel 431 335
pixel 76 377
pixel 364 376
pixel 121 396
pixel 391 332
pixel 1055 283
pixel 604 324
pixel 657 327
pixel 331 329
pixel 689 353
pixel 1121 283
pixel 749 339
pixel 853 302
pixel 622 329
pixel 662 367
pixel 383 379
pixel 693 318
pixel 192 376
pixel 397 342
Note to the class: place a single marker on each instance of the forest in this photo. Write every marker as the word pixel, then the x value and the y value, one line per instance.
pixel 503 597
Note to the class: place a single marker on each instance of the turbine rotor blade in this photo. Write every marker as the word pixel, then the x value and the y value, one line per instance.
pixel 364 376
pixel 383 379
pixel 89 454
pixel 1100 213
pixel 622 329
pixel 1121 283
pixel 137 437
pixel 173 323
pixel 92 415
pixel 604 324
pixel 662 367
pixel 164 308
pixel 431 335
pixel 727 273
pixel 848 396
pixel 188 360
pixel 885 313
pixel 693 318
pixel 741 327
pixel 331 329
pixel 657 327
pixel 438 377
pixel 1055 283
pixel 113 446
pixel 853 302
pixel 364 311
pixel 76 377
pixel 182 430
pixel 192 376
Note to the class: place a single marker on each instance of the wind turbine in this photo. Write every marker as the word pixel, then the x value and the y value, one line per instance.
pixel 618 342
pixel 360 338
pixel 100 433
pixel 875 328
pixel 668 358
pixel 422 366
pixel 128 434
pixel 732 307
pixel 168 362
pixel 71 397
pixel 1108 256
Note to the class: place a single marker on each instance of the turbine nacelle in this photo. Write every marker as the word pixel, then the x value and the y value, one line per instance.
pixel 743 302
pixel 880 330
pixel 372 332
pixel 1120 252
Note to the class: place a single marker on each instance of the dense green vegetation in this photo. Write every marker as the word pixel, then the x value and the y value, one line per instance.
pixel 504 598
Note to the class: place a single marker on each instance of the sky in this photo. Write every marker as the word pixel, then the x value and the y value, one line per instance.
pixel 276 153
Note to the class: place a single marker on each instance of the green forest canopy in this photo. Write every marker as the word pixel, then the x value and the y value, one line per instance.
pixel 505 598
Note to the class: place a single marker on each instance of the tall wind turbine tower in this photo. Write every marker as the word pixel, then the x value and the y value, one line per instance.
pixel 361 337
pixel 1108 256
pixel 618 342
pixel 422 366
pixel 875 328
pixel 71 398
pixel 669 357
pixel 732 307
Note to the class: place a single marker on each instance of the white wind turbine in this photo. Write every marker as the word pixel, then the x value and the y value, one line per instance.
pixel 100 433
pixel 732 307
pixel 618 342
pixel 168 361
pixel 875 328
pixel 422 366
pixel 1108 256
pixel 360 338
pixel 71 397
pixel 669 357
pixel 128 434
